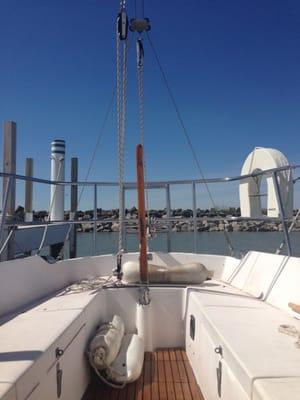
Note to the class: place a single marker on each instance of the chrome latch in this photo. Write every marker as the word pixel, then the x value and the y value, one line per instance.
pixel 192 327
pixel 58 352
pixel 218 350
pixel 59 374
pixel 219 378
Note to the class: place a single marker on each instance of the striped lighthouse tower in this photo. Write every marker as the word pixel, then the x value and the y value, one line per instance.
pixel 57 196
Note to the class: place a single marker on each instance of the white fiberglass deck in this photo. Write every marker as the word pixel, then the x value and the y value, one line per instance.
pixel 238 313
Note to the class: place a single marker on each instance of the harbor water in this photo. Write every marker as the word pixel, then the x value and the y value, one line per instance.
pixel 207 242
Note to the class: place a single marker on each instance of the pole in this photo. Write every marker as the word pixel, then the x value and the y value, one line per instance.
pixel 168 208
pixel 57 199
pixel 142 214
pixel 123 226
pixel 95 220
pixel 282 215
pixel 3 234
pixel 194 216
pixel 9 166
pixel 28 190
pixel 74 203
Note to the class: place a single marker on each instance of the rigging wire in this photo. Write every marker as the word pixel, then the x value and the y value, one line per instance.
pixel 6 241
pixel 142 8
pixel 98 141
pixel 278 251
pixel 186 134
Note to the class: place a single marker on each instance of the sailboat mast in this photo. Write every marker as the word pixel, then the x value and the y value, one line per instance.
pixel 142 213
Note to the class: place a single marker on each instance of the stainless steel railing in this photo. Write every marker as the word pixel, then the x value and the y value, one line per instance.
pixel 11 178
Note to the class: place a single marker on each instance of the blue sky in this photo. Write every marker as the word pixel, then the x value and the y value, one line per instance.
pixel 234 68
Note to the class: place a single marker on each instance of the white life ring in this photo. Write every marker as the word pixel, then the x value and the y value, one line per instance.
pixel 261 159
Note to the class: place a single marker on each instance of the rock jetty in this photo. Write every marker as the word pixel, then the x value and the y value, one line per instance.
pixel 181 221
pixel 209 220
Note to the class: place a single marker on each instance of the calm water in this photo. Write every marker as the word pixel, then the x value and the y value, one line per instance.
pixel 207 242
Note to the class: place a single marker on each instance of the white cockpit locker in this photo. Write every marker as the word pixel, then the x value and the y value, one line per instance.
pixel 245 331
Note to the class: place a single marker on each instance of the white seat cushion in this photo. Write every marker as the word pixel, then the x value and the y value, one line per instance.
pixel 257 272
pixel 28 342
pixel 277 389
pixel 7 391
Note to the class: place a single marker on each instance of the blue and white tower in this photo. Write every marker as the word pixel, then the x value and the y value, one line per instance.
pixel 57 196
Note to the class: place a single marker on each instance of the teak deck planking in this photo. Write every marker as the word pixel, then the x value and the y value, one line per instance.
pixel 167 375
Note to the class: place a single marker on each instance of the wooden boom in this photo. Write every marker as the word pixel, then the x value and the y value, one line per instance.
pixel 142 213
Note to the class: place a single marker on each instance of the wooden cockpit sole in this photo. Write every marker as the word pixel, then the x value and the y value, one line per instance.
pixel 167 375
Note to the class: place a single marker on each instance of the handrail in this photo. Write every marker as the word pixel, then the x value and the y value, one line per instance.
pixel 37 224
pixel 151 184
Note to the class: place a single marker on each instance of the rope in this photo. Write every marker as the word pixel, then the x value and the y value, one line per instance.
pixel 140 85
pixel 187 136
pixel 141 107
pixel 107 382
pixel 121 119
pixel 6 241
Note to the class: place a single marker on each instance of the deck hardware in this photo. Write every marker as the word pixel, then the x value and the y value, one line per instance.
pixel 192 327
pixel 219 378
pixel 59 374
pixel 122 24
pixel 218 350
pixel 139 25
pixel 145 298
pixel 261 296
pixel 58 352
pixel 118 270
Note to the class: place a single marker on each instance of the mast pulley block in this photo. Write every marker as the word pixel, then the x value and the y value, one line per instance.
pixel 122 23
pixel 139 25
pixel 140 53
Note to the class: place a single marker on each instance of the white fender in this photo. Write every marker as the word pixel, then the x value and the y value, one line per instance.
pixel 183 273
pixel 261 159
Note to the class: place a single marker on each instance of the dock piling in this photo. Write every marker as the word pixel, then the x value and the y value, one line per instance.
pixel 9 166
pixel 74 204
